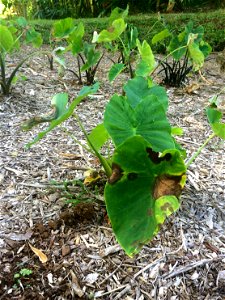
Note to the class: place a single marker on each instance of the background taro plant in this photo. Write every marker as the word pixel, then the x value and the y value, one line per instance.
pixel 12 35
pixel 185 51
pixel 87 55
pixel 147 172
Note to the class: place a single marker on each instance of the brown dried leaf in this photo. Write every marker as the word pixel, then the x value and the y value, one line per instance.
pixel 43 258
pixel 192 88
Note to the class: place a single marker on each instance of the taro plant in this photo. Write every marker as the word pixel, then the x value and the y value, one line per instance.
pixel 87 56
pixel 147 171
pixel 124 43
pixel 126 46
pixel 186 52
pixel 12 34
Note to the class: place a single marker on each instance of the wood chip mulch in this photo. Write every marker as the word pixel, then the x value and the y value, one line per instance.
pixel 186 260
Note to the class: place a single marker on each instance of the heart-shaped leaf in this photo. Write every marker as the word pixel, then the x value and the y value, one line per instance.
pixel 62 28
pixel 147 119
pixel 142 191
pixel 138 88
pixel 115 30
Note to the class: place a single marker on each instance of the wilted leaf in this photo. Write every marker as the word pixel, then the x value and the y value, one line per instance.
pixel 196 55
pixel 91 177
pixel 61 114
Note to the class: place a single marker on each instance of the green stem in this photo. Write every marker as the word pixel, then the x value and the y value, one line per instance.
pixel 7 82
pixel 76 140
pixel 103 161
pixel 196 154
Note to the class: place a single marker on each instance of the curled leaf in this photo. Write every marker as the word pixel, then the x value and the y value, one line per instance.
pixel 42 257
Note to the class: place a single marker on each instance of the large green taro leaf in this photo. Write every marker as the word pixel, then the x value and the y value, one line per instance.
pixel 63 28
pixel 142 191
pixel 137 89
pixel 147 119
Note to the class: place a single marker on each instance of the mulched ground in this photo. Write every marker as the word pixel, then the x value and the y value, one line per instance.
pixel 184 261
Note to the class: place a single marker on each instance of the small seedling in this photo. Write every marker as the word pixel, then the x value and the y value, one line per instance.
pixel 22 275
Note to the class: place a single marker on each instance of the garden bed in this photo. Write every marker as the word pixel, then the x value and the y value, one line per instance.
pixel 183 261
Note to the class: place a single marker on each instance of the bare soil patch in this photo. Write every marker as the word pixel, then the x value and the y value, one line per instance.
pixel 84 260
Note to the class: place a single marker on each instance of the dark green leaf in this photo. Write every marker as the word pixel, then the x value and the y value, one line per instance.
pixel 142 191
pixel 137 89
pixel 147 119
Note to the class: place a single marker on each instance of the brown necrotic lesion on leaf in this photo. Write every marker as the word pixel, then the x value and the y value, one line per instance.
pixel 117 173
pixel 154 156
pixel 166 185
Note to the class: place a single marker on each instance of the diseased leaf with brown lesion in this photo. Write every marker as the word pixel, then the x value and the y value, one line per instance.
pixel 155 158
pixel 117 173
pixel 167 185
pixel 142 191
